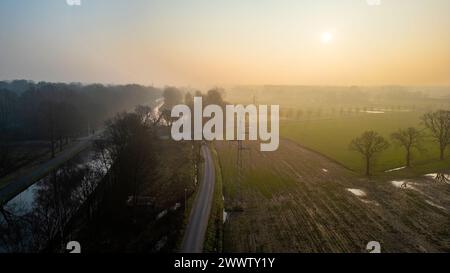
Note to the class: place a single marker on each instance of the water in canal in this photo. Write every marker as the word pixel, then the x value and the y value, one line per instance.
pixel 35 216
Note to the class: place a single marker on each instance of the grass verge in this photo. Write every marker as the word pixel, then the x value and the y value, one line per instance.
pixel 214 232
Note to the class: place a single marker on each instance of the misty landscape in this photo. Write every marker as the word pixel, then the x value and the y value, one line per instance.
pixel 90 161
pixel 122 181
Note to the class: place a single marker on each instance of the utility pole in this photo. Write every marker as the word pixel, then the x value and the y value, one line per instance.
pixel 240 158
pixel 185 199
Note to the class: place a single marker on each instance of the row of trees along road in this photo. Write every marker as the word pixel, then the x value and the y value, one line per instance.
pixel 437 127
pixel 132 146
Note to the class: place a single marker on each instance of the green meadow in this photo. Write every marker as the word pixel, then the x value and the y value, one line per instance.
pixel 331 137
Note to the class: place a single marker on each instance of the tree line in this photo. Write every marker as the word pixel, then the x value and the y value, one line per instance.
pixel 132 143
pixel 27 112
pixel 149 172
pixel 54 113
pixel 436 126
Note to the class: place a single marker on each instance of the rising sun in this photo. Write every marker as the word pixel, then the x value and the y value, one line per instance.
pixel 326 37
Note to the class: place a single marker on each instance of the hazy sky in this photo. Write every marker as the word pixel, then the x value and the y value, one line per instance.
pixel 210 42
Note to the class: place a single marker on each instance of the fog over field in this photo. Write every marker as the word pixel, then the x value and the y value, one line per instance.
pixel 255 127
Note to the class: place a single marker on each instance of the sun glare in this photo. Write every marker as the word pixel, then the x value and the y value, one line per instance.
pixel 326 37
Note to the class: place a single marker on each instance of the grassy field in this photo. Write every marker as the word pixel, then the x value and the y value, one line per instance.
pixel 311 195
pixel 214 233
pixel 332 137
pixel 295 200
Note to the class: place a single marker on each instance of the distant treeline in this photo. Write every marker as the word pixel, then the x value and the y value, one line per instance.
pixel 49 111
pixel 323 96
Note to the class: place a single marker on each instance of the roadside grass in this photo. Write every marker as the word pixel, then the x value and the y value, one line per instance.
pixel 332 137
pixel 227 170
pixel 214 232
pixel 255 170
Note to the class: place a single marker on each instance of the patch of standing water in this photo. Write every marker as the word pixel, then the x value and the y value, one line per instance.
pixel 362 197
pixel 435 205
pixel 161 243
pixel 225 213
pixel 402 184
pixel 357 192
pixel 396 169
pixel 161 214
pixel 373 112
pixel 176 206
pixel 225 216
pixel 369 202
pixel 438 176
pixel 384 111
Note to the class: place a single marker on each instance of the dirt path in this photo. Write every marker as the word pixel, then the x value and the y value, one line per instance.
pixel 296 200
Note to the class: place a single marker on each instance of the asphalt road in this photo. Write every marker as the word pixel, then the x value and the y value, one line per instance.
pixel 198 219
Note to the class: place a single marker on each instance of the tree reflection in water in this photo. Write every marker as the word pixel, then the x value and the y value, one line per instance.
pixel 37 215
pixel 442 177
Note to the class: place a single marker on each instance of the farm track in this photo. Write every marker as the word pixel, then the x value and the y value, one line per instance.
pixel 296 200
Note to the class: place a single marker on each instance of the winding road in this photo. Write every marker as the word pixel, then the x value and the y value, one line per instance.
pixel 198 219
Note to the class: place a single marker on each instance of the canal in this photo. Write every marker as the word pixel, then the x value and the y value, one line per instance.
pixel 33 218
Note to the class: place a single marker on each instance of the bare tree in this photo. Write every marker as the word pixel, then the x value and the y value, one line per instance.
pixel 145 114
pixel 6 159
pixel 439 125
pixel 442 177
pixel 215 96
pixel 8 101
pixel 369 144
pixel 189 99
pixel 130 145
pixel 172 96
pixel 409 139
pixel 49 123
